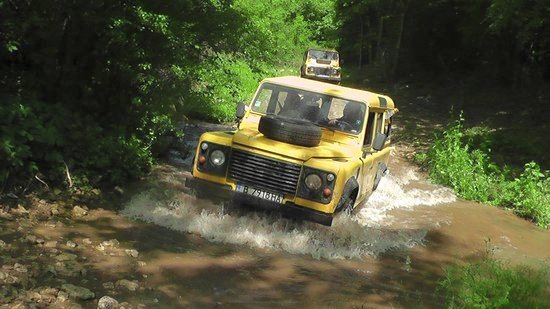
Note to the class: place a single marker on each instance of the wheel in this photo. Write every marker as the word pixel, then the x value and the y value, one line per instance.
pixel 346 203
pixel 289 130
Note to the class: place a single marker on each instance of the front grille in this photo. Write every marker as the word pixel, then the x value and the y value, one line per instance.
pixel 322 61
pixel 264 173
pixel 323 71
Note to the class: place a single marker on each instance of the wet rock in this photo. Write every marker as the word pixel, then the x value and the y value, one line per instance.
pixel 3 276
pixel 71 244
pixel 40 241
pixel 62 296
pixel 132 285
pixel 2 244
pixel 30 239
pixel 54 210
pixel 132 252
pixel 69 269
pixel 66 257
pixel 108 285
pixel 50 244
pixel 79 212
pixel 141 263
pixel 5 215
pixel 78 292
pixel 20 210
pixel 107 302
pixel 86 241
pixel 20 268
pixel 113 243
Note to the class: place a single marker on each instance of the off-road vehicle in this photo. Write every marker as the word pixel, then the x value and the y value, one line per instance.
pixel 321 64
pixel 306 148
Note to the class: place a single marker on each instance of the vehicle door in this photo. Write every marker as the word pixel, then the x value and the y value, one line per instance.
pixel 371 158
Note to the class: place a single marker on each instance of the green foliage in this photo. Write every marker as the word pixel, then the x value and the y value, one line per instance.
pixel 472 174
pixel 96 85
pixel 501 40
pixel 469 173
pixel 31 137
pixel 489 283
pixel 529 194
pixel 219 83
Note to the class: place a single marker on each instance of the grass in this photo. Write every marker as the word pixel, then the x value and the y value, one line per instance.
pixel 455 162
pixel 490 283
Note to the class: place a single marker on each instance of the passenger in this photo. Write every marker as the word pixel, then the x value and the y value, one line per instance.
pixel 351 119
pixel 292 106
pixel 310 108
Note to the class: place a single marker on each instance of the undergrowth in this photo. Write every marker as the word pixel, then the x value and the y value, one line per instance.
pixel 490 283
pixel 454 162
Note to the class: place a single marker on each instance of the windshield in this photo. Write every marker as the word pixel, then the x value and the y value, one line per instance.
pixel 323 55
pixel 324 110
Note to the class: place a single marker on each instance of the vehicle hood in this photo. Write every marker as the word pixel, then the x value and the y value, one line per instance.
pixel 325 149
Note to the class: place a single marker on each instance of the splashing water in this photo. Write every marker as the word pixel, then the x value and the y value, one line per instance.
pixel 368 233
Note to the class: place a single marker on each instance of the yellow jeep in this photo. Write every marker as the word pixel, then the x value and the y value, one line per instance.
pixel 306 148
pixel 321 64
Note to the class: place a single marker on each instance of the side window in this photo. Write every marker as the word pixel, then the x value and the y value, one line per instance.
pixel 262 101
pixel 375 125
pixel 370 126
pixel 387 123
pixel 379 122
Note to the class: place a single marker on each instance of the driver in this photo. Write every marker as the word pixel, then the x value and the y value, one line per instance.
pixel 351 118
pixel 292 105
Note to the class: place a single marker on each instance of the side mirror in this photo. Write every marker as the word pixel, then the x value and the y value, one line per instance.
pixel 241 110
pixel 379 141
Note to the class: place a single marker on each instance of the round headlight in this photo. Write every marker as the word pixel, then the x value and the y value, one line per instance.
pixel 330 177
pixel 204 146
pixel 217 157
pixel 313 182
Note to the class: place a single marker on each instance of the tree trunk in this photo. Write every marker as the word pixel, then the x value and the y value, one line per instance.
pixel 361 43
pixel 395 62
pixel 378 56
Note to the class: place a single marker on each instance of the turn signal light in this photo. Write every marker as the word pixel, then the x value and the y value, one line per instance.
pixel 202 160
pixel 327 192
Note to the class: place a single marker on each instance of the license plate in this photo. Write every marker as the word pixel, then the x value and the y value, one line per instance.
pixel 259 193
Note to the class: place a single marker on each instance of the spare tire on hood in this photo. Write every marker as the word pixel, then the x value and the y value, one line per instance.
pixel 290 130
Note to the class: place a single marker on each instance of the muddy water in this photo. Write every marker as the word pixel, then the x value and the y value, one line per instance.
pixel 390 253
pixel 196 253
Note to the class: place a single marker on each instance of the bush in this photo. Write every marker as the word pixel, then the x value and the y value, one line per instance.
pixel 217 85
pixel 529 194
pixel 490 283
pixel 40 138
pixel 469 173
pixel 473 176
pixel 31 138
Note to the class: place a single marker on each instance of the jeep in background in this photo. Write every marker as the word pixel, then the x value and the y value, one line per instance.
pixel 321 64
pixel 306 148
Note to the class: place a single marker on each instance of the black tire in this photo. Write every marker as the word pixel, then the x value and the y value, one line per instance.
pixel 292 131
pixel 345 205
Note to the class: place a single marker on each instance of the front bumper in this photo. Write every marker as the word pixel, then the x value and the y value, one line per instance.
pixel 324 78
pixel 216 191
